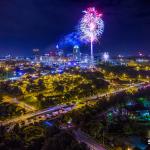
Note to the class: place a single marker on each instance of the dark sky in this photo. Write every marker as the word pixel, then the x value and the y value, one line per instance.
pixel 28 24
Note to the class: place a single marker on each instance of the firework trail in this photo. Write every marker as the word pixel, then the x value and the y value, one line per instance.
pixel 91 27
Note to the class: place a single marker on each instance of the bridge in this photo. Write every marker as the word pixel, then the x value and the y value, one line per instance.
pixel 48 113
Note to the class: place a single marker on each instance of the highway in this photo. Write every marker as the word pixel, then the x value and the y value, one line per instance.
pixel 92 144
pixel 83 137
pixel 138 85
pixel 62 109
pixel 59 107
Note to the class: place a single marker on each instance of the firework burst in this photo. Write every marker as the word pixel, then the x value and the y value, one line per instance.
pixel 91 27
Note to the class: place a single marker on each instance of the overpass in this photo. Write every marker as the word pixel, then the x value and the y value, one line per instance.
pixel 84 138
pixel 62 109
pixel 51 113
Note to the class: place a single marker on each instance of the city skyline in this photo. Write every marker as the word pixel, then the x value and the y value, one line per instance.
pixel 42 24
pixel 74 75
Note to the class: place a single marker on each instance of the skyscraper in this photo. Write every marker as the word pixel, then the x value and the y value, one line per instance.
pixel 60 52
pixel 36 54
pixel 76 53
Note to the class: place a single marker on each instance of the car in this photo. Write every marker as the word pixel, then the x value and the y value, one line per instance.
pixel 60 111
pixel 48 115
pixel 55 113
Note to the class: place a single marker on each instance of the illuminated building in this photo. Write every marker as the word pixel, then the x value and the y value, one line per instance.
pixel 51 58
pixel 76 53
pixel 36 54
pixel 59 51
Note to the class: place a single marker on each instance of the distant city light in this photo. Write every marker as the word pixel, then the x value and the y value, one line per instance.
pixel 105 57
pixel 76 46
pixel 140 54
pixel 57 46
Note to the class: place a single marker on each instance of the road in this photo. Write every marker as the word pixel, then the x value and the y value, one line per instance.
pixel 80 136
pixel 59 107
pixel 19 103
pixel 83 137
pixel 92 144
pixel 25 117
pixel 138 85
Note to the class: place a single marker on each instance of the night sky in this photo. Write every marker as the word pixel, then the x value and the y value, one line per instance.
pixel 28 24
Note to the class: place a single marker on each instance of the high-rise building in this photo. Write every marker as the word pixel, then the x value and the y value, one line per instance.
pixel 60 52
pixel 76 53
pixel 36 54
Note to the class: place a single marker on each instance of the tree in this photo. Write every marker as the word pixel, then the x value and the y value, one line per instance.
pixel 127 129
pixel 62 141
